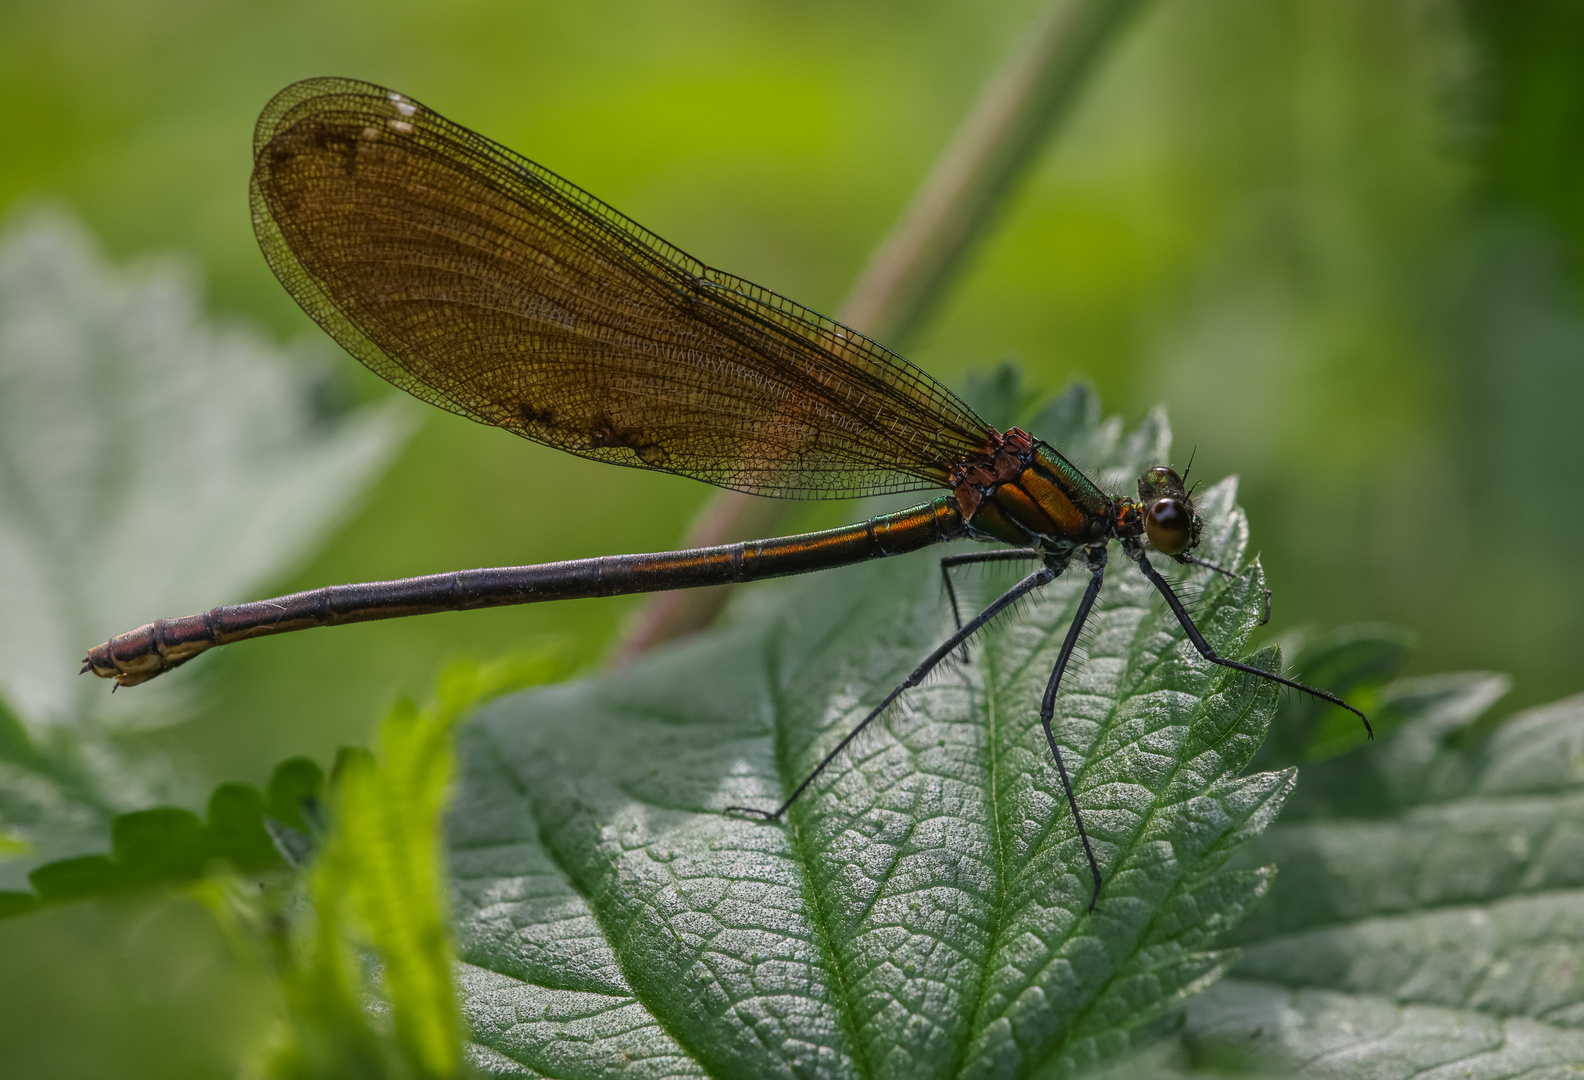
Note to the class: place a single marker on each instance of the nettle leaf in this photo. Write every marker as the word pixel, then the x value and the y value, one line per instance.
pixel 923 910
pixel 375 888
pixel 167 845
pixel 60 789
pixel 151 460
pixel 1429 915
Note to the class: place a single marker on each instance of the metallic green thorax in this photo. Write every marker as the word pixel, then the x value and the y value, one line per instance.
pixel 1026 494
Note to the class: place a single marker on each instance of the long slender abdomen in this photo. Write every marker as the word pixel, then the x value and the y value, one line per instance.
pixel 157 647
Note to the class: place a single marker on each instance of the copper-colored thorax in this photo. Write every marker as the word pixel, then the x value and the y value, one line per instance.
pixel 1023 492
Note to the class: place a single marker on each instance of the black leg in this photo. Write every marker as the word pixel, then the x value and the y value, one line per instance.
pixel 1193 560
pixel 1209 654
pixel 1043 576
pixel 949 561
pixel 1097 561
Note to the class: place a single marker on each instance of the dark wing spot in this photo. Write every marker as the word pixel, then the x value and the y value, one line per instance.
pixel 525 415
pixel 605 433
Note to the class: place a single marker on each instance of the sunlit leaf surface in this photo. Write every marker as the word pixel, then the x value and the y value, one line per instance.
pixel 1428 917
pixel 923 912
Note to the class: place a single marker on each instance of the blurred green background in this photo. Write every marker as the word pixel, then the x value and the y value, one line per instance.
pixel 1336 238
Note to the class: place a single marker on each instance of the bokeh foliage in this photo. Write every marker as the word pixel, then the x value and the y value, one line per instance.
pixel 1338 237
pixel 925 908
pixel 1333 235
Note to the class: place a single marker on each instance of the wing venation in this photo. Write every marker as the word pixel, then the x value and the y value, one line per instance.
pixel 481 282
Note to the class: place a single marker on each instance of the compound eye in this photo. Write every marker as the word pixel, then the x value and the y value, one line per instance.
pixel 1161 476
pixel 1158 482
pixel 1169 525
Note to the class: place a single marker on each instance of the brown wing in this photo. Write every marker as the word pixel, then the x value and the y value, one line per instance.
pixel 482 283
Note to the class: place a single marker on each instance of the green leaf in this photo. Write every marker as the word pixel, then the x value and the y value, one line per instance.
pixel 150 461
pixel 17 903
pixel 379 882
pixel 236 830
pixel 74 879
pixel 167 845
pixel 923 910
pixel 1352 662
pixel 159 845
pixel 1429 915
pixel 60 789
pixel 386 854
pixel 296 784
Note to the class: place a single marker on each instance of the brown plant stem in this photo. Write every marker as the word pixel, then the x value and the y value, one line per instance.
pixel 1023 102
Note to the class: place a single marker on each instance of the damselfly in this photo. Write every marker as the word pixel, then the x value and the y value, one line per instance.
pixel 487 285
